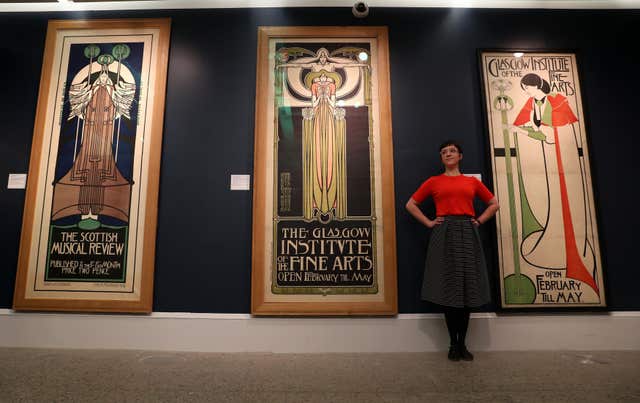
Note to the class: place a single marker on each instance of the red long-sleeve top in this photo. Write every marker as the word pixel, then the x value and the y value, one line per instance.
pixel 453 195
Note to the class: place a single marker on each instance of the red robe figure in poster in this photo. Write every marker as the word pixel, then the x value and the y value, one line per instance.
pixel 543 116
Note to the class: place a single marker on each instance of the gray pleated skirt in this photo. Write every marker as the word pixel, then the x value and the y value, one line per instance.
pixel 455 272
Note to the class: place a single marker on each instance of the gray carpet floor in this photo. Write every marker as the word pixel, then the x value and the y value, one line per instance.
pixel 42 375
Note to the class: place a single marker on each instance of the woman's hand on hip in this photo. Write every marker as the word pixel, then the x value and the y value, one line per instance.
pixel 437 221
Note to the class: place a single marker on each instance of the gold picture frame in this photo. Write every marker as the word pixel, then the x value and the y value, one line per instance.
pixel 89 223
pixel 323 201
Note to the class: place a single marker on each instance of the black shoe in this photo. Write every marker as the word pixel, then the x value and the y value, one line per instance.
pixel 464 354
pixel 454 353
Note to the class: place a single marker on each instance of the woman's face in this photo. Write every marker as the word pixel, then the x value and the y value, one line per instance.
pixel 533 91
pixel 322 56
pixel 450 156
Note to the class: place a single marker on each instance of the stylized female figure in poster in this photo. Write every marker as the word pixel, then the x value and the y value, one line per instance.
pixel 548 121
pixel 324 189
pixel 94 185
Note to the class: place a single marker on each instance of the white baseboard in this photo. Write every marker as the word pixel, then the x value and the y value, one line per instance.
pixel 167 331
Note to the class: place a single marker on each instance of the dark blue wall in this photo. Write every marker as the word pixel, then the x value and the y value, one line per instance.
pixel 203 260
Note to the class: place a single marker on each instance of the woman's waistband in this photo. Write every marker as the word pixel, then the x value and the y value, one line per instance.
pixel 457 217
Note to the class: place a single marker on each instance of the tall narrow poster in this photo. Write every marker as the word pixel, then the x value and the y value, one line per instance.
pixel 547 229
pixel 323 232
pixel 89 228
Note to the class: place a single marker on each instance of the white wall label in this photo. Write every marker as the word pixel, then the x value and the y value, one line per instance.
pixel 477 176
pixel 17 181
pixel 240 182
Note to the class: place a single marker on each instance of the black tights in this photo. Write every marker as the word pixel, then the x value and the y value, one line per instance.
pixel 457 323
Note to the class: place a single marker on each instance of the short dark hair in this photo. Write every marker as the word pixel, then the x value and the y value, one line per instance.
pixel 450 143
pixel 534 80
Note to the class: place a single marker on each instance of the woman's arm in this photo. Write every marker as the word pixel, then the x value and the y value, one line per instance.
pixel 530 131
pixel 492 207
pixel 294 64
pixel 414 210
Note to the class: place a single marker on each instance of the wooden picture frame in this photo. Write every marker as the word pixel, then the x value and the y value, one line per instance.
pixel 89 224
pixel 549 249
pixel 323 201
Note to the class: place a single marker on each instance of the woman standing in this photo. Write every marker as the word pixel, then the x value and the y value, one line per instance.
pixel 455 270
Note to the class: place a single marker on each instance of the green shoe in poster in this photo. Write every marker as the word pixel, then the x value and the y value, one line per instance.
pixel 89 224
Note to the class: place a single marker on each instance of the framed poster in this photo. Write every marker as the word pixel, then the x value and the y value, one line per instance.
pixel 323 205
pixel 547 227
pixel 88 232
